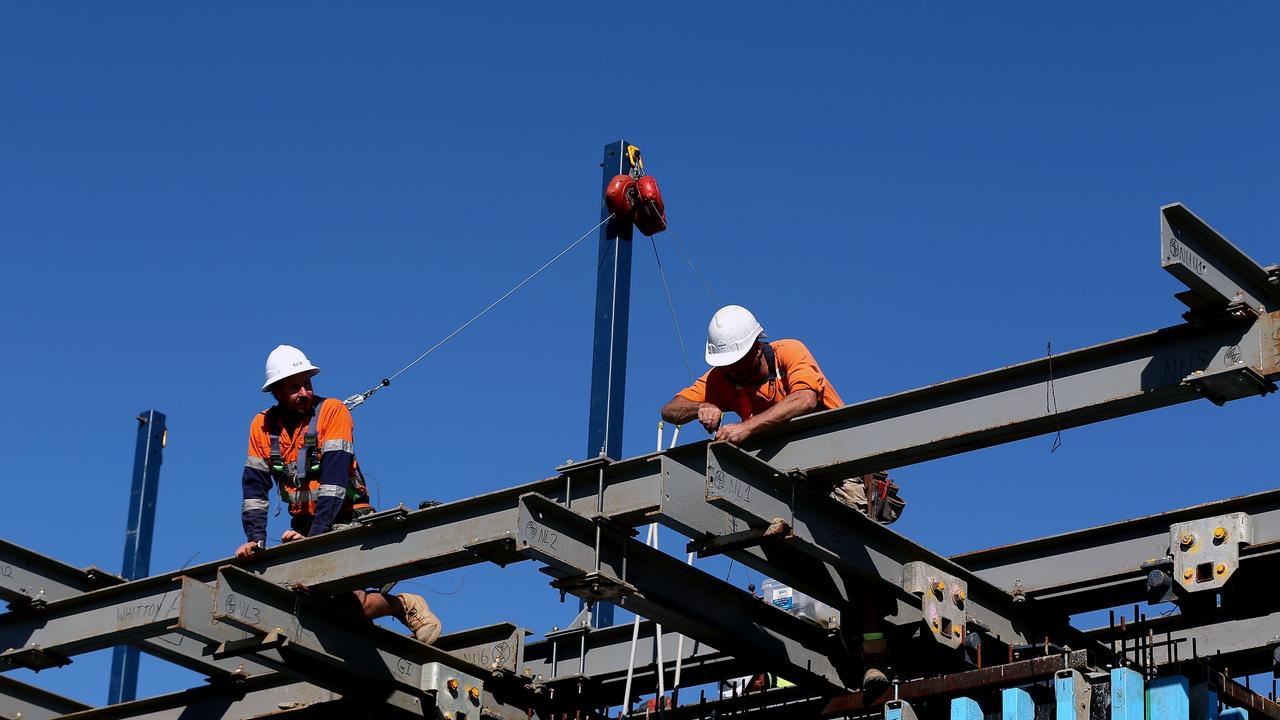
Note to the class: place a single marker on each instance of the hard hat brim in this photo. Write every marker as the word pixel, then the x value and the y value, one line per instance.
pixel 310 371
pixel 728 358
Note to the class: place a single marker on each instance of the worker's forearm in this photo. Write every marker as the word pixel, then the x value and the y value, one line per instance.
pixel 794 405
pixel 680 410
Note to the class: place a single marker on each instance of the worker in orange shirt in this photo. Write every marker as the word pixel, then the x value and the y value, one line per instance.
pixel 305 444
pixel 767 384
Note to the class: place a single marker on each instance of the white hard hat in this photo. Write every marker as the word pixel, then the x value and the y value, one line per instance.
pixel 731 333
pixel 286 361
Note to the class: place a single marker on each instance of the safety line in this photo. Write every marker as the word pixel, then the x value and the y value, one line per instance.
pixel 356 400
pixel 680 248
pixel 672 306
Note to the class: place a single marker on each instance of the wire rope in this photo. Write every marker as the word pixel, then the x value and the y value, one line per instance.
pixel 356 400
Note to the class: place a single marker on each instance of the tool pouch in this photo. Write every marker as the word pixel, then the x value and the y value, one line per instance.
pixel 883 503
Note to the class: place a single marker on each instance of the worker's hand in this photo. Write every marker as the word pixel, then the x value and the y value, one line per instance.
pixel 246 551
pixel 733 432
pixel 710 416
pixel 291 535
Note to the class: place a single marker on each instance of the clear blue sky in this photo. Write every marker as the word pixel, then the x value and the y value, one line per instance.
pixel 918 192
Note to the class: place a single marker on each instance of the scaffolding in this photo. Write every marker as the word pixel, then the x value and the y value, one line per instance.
pixel 989 629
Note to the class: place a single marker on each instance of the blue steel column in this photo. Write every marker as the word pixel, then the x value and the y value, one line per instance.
pixel 147 456
pixel 609 351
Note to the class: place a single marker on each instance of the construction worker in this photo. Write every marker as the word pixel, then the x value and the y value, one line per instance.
pixel 305 445
pixel 767 384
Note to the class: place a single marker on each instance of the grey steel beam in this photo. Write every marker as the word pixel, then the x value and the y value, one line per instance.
pixel 878 557
pixel 594 662
pixel 1104 565
pixel 29 581
pixel 1245 644
pixel 20 700
pixel 597 560
pixel 28 578
pixel 267 695
pixel 1216 271
pixel 359 657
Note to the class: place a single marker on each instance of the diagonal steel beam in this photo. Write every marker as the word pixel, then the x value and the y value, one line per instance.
pixel 20 700
pixel 597 560
pixel 880 559
pixel 359 657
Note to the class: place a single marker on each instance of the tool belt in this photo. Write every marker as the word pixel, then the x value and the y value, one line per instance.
pixel 883 503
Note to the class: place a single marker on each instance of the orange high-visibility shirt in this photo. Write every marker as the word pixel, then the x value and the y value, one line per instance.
pixel 797 370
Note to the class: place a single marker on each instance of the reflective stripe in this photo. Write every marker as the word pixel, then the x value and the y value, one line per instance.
pixel 295 495
pixel 338 445
pixel 251 504
pixel 257 463
pixel 331 491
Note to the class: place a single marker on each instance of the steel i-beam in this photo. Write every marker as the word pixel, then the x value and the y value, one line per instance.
pixel 597 560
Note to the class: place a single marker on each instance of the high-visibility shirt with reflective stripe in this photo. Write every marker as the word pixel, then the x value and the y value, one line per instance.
pixel 334 438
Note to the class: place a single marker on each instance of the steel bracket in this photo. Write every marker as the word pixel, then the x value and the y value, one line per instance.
pixel 594 586
pixel 1206 552
pixel 1226 384
pixel 457 694
pixel 34 658
pixel 253 644
pixel 776 530
pixel 942 601
pixel 397 513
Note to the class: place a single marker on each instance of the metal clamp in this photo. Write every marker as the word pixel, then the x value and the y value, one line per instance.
pixel 1206 552
pixel 942 601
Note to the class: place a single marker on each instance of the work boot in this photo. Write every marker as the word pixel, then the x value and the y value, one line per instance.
pixel 418 617
pixel 874 682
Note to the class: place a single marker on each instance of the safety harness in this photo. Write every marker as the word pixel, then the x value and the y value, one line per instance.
pixel 299 481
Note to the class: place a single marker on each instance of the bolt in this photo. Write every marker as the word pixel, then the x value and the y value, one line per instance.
pixel 956 631
pixel 939 586
pixel 1219 534
pixel 958 598
pixel 1188 574
pixel 936 624
pixel 474 694
pixel 452 684
pixel 1188 541
pixel 1221 569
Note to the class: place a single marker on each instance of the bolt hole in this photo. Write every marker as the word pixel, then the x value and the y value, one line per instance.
pixel 1204 572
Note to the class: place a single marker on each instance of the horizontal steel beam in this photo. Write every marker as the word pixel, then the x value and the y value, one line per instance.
pixel 27 577
pixel 1103 566
pixel 1246 644
pixel 257 696
pixel 597 560
pixel 29 581
pixel 20 700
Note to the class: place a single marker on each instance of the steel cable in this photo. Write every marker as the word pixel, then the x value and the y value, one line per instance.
pixel 357 400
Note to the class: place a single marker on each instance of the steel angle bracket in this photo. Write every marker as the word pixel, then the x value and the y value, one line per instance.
pixel 942 601
pixel 457 694
pixel 1206 552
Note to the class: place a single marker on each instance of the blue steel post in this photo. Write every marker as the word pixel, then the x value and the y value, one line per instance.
pixel 1016 704
pixel 1128 695
pixel 147 455
pixel 609 351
